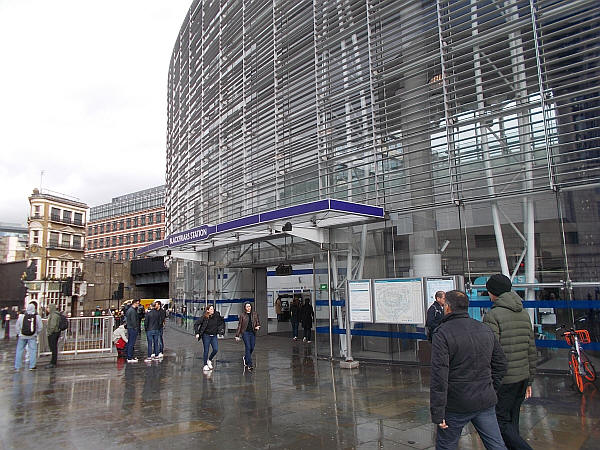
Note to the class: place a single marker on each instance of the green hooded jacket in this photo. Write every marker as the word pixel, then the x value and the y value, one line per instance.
pixel 512 326
pixel 53 320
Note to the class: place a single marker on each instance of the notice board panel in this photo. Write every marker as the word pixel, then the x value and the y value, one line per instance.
pixel 434 284
pixel 399 300
pixel 361 303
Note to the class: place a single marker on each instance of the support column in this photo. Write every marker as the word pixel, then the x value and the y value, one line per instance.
pixel 260 299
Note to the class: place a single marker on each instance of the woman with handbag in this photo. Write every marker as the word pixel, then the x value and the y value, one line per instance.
pixel 208 327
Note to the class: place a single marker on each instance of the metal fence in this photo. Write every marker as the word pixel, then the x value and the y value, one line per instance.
pixel 85 336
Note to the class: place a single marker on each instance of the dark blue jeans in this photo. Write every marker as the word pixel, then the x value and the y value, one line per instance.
pixel 209 340
pixel 153 336
pixel 295 328
pixel 249 341
pixel 161 343
pixel 484 422
pixel 131 337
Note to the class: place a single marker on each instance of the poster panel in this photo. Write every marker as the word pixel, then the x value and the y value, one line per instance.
pixel 399 300
pixel 361 304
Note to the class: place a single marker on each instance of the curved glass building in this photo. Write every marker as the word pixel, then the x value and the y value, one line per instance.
pixel 474 125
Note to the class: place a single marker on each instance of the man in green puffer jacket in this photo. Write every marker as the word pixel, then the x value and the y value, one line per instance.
pixel 53 332
pixel 512 326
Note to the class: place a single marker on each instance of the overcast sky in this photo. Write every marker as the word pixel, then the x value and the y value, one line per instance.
pixel 83 89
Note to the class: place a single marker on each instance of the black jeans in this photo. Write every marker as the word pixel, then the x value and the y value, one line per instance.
pixel 307 333
pixel 508 408
pixel 53 344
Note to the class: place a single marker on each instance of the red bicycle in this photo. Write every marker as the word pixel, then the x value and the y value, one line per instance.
pixel 580 366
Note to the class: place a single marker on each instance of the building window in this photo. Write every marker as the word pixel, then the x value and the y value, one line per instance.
pixel 135 238
pixel 142 220
pixel 65 240
pixel 95 243
pixel 135 221
pixel 128 239
pixel 126 254
pixel 121 224
pixel 37 212
pixel 90 231
pixel 101 228
pixel 150 219
pixel 113 255
pixel 114 226
pixel 51 268
pixel 77 242
pixel 66 216
pixel 114 240
pixel 78 219
pixel 95 229
pixel 64 269
pixel 158 217
pixel 55 214
pixel 107 242
pixel 35 237
pixel 121 240
pixel 142 236
pixel 128 223
pixel 89 244
pixel 120 255
pixel 53 242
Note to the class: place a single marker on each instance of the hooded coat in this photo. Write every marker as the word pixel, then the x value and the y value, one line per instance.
pixel 512 326
pixel 38 325
pixel 53 320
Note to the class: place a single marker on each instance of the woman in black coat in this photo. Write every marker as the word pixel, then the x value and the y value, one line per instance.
pixel 307 315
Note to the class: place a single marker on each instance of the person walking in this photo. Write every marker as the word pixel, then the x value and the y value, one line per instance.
pixel 163 318
pixel 467 366
pixel 152 325
pixel 307 315
pixel 511 324
pixel 207 328
pixel 28 327
pixel 278 309
pixel 53 333
pixel 133 325
pixel 435 314
pixel 295 317
pixel 248 325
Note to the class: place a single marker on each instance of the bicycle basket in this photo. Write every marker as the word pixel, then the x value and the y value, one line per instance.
pixel 582 335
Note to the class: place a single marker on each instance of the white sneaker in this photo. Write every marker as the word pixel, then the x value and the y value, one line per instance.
pixel 308 342
pixel 206 368
pixel 153 356
pixel 148 359
pixel 209 364
pixel 303 339
pixel 134 360
pixel 295 338
pixel 160 355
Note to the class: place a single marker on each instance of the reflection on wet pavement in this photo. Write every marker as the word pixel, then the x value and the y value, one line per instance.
pixel 291 400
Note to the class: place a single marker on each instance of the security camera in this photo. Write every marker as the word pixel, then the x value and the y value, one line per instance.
pixel 444 246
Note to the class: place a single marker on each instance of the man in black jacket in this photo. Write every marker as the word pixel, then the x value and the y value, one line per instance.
pixel 435 314
pixel 467 366
pixel 133 325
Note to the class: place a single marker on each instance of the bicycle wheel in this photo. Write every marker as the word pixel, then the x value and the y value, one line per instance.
pixel 588 368
pixel 574 369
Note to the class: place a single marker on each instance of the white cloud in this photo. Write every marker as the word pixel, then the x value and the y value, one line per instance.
pixel 83 90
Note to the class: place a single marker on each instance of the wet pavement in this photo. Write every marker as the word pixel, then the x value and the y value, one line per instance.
pixel 290 401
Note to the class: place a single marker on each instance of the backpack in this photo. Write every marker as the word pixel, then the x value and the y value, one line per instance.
pixel 63 322
pixel 29 326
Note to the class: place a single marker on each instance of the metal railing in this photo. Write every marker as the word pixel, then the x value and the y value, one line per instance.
pixel 85 335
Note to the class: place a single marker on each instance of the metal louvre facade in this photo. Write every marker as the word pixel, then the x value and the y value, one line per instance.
pixel 401 104
pixel 475 124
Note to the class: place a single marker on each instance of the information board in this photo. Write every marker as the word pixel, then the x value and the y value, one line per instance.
pixel 432 285
pixel 361 304
pixel 399 300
